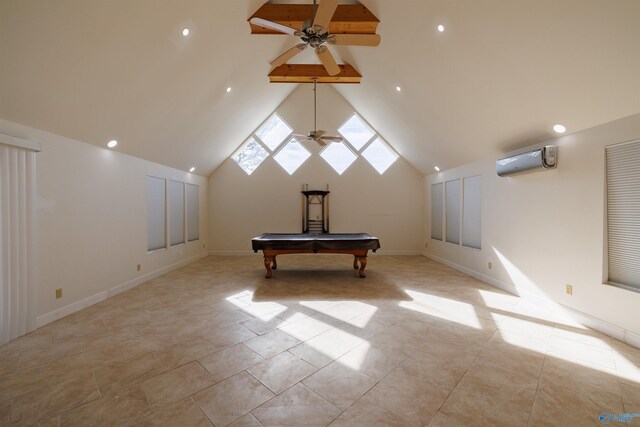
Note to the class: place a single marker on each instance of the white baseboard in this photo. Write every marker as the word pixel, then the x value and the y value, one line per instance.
pixel 584 319
pixel 381 253
pixel 233 253
pixel 101 296
pixel 632 338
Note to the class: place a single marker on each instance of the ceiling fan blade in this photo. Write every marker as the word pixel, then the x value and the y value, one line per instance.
pixel 332 138
pixel 354 39
pixel 325 12
pixel 327 60
pixel 321 142
pixel 287 55
pixel 273 25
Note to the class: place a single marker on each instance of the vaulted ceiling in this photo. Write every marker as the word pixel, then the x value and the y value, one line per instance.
pixel 499 76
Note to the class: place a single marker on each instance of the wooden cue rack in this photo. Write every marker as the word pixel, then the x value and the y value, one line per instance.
pixel 315 210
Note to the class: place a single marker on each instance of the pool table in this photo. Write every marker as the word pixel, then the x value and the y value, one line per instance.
pixel 356 244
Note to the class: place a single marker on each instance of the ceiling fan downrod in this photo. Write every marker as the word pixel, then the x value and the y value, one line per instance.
pixel 315 81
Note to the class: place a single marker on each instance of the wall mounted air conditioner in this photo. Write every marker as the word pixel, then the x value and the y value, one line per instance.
pixel 542 158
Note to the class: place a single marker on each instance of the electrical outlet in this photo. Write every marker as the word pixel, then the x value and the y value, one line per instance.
pixel 58 293
pixel 138 267
pixel 489 265
pixel 426 245
pixel 569 289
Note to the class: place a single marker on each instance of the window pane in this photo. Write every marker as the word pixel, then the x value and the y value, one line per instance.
pixel 193 213
pixel 437 199
pixel 452 195
pixel 156 214
pixel 472 212
pixel 292 156
pixel 250 155
pixel 274 131
pixel 356 132
pixel 176 213
pixel 379 155
pixel 338 156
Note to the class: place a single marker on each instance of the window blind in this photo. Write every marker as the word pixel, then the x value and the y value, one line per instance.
pixel 472 212
pixel 623 213
pixel 156 213
pixel 437 210
pixel 193 214
pixel 176 212
pixel 452 205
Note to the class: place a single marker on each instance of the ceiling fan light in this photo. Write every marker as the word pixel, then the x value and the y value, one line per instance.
pixel 185 32
pixel 440 28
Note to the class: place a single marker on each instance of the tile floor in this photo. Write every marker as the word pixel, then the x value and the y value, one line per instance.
pixel 413 344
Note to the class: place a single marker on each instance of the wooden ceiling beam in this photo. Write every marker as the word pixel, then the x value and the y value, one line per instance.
pixel 348 18
pixel 305 73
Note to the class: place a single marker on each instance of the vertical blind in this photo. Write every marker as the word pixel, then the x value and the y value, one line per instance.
pixel 623 213
pixel 17 241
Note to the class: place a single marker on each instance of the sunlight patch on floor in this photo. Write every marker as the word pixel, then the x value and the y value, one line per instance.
pixel 265 310
pixel 498 300
pixel 443 308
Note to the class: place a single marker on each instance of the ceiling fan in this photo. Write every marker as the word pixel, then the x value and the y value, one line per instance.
pixel 318 135
pixel 314 33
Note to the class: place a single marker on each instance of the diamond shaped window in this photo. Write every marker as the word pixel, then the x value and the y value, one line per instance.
pixel 250 155
pixel 339 156
pixel 379 155
pixel 292 156
pixel 273 132
pixel 356 131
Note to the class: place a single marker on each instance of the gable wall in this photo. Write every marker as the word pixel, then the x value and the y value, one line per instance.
pixel 388 206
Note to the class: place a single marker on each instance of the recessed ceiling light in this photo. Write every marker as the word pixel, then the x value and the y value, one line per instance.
pixel 437 168
pixel 112 143
pixel 440 28
pixel 398 89
pixel 185 32
pixel 192 169
pixel 559 128
pixel 229 89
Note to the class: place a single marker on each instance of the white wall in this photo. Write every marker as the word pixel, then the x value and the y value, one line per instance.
pixel 388 206
pixel 92 222
pixel 545 229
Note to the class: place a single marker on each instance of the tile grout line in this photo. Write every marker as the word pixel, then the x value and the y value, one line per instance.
pixel 535 397
pixel 463 375
pixel 199 408
pixel 615 363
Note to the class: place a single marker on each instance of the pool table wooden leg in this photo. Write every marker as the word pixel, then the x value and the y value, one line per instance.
pixel 363 264
pixel 274 263
pixel 267 265
pixel 355 262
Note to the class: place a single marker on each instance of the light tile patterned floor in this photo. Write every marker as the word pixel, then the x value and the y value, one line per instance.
pixel 413 344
